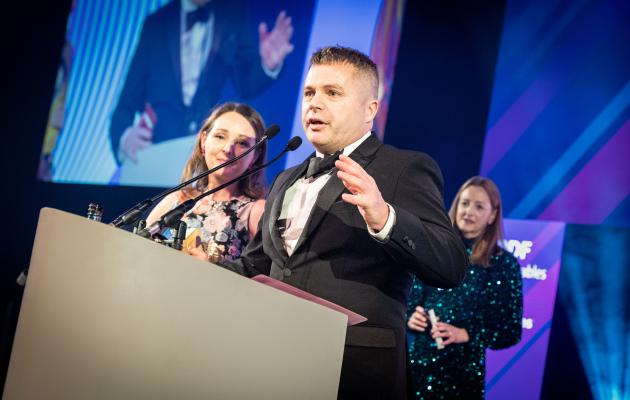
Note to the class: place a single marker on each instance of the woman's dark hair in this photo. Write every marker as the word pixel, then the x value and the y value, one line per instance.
pixel 252 186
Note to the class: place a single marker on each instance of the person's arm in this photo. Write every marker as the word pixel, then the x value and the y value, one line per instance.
pixel 165 205
pixel 416 314
pixel 253 260
pixel 461 331
pixel 255 215
pixel 275 45
pixel 255 60
pixel 132 97
pixel 450 334
pixel 502 303
pixel 422 239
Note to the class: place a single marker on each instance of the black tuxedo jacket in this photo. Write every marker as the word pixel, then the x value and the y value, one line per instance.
pixel 337 259
pixel 154 74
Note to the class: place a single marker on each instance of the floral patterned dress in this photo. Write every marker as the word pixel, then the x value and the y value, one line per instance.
pixel 219 228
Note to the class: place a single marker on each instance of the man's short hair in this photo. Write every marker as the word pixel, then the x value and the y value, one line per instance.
pixel 347 55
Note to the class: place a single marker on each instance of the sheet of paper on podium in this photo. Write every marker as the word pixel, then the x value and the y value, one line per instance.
pixel 159 164
pixel 353 318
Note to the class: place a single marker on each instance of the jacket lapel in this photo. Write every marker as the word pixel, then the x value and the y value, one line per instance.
pixel 218 46
pixel 330 193
pixel 172 35
pixel 276 207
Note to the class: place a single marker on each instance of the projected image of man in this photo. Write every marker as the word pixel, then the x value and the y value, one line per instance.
pixel 186 52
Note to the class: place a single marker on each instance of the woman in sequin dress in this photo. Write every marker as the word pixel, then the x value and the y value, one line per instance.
pixel 220 225
pixel 485 311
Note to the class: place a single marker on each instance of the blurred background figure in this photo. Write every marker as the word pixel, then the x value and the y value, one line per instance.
pixel 186 52
pixel 484 312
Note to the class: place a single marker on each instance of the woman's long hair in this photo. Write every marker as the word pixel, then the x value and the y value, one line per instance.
pixel 485 245
pixel 252 186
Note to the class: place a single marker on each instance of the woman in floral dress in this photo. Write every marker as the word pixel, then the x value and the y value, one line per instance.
pixel 219 226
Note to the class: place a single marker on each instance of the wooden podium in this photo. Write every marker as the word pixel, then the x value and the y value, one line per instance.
pixel 109 315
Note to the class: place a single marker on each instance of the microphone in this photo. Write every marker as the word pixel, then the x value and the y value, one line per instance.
pixel 172 218
pixel 132 215
pixel 293 144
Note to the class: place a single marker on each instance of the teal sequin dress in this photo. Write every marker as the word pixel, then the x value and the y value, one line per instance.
pixel 489 305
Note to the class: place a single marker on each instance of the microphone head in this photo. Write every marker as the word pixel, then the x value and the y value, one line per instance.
pixel 294 143
pixel 272 131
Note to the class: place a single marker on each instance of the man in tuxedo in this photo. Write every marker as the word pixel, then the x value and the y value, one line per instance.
pixel 353 231
pixel 186 51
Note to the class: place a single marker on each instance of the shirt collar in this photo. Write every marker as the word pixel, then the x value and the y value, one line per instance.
pixel 188 6
pixel 351 147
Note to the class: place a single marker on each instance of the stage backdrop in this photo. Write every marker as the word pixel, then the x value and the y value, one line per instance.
pixel 517 372
pixel 104 36
pixel 557 145
pixel 559 128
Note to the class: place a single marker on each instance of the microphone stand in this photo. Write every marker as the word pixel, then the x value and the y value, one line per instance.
pixel 132 215
pixel 172 218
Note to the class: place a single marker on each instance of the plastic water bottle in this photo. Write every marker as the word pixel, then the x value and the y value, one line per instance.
pixel 95 212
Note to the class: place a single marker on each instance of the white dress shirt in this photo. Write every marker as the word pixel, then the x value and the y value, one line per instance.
pixel 300 199
pixel 194 46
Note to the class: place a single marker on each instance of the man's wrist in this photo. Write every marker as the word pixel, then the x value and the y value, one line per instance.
pixel 271 73
pixel 121 154
pixel 383 234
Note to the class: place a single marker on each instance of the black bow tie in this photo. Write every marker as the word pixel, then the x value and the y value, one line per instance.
pixel 201 14
pixel 318 166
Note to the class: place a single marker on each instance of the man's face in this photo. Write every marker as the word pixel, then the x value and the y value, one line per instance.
pixel 337 106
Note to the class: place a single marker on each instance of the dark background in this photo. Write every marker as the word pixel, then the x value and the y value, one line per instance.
pixel 439 105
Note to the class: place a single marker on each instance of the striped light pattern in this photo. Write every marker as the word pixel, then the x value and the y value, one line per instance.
pixel 594 288
pixel 559 128
pixel 102 34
